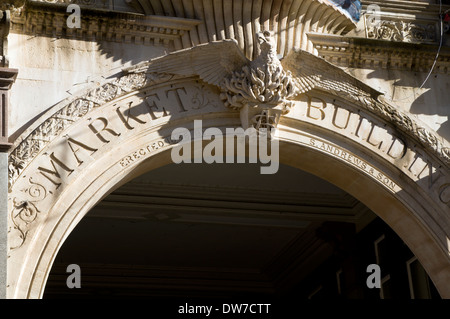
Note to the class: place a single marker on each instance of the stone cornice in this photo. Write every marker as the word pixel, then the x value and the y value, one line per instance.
pixel 241 19
pixel 49 19
pixel 355 52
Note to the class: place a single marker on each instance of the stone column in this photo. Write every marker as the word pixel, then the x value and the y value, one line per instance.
pixel 7 78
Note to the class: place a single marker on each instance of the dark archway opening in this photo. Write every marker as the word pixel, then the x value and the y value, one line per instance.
pixel 223 230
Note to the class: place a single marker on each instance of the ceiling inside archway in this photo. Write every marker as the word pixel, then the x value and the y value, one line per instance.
pixel 222 224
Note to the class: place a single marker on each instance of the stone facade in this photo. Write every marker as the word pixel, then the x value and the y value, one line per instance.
pixel 94 106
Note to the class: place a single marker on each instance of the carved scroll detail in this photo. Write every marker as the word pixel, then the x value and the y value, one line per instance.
pixel 201 99
pixel 402 31
pixel 25 211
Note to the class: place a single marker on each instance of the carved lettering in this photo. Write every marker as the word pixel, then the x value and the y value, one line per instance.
pixel 374 137
pixel 418 166
pixel 154 146
pixel 339 117
pixel 152 104
pixel 385 180
pixel 373 134
pixel 129 116
pixel 54 160
pixel 378 136
pixel 176 93
pixel 433 175
pixel 142 152
pixel 428 170
pixel 444 194
pixel 126 161
pixel 105 128
pixel 363 127
pixel 72 141
pixel 354 161
pixel 397 149
pixel 318 113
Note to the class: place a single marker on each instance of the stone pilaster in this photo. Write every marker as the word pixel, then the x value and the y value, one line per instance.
pixel 7 78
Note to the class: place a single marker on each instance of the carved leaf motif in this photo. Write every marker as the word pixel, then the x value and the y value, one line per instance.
pixel 25 211
pixel 428 138
pixel 446 154
pixel 270 85
pixel 402 31
pixel 131 82
pixel 201 99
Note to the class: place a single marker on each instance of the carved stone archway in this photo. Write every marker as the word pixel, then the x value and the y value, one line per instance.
pixel 88 145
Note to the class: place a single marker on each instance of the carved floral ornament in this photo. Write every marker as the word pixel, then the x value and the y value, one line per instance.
pixel 402 31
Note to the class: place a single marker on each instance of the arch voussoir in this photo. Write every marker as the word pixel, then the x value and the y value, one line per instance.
pixel 85 147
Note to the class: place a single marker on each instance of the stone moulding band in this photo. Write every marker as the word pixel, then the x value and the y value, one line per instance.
pixel 33 141
pixel 344 51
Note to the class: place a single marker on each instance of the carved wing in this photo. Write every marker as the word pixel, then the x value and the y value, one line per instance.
pixel 212 62
pixel 312 72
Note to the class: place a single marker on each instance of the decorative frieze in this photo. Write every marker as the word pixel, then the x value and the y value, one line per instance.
pixel 403 21
pixel 403 31
pixel 117 27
